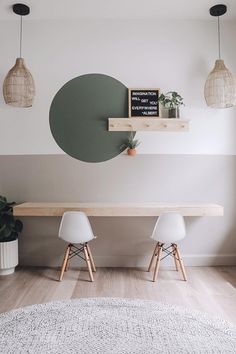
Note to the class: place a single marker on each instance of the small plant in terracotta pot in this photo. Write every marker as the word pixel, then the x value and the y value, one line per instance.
pixel 131 145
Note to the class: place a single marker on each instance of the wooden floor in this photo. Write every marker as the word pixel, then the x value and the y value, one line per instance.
pixel 209 289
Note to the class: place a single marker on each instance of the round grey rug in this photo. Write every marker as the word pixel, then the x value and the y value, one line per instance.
pixel 104 325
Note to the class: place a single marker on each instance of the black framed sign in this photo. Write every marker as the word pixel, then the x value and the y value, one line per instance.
pixel 143 102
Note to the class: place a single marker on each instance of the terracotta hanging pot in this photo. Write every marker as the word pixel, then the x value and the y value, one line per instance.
pixel 131 152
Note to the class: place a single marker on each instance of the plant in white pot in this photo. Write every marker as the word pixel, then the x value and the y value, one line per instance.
pixel 9 230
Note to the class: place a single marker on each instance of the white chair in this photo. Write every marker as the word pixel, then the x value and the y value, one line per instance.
pixel 75 228
pixel 169 229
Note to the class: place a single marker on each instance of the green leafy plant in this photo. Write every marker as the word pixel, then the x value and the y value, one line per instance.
pixel 130 143
pixel 170 100
pixel 9 227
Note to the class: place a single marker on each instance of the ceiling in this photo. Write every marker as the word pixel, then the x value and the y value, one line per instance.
pixel 121 9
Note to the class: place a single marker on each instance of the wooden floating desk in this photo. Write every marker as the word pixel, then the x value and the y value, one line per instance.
pixel 117 209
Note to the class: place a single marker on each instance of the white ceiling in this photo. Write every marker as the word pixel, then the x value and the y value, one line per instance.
pixel 127 9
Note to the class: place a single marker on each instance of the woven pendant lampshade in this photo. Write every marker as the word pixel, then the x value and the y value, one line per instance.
pixel 220 86
pixel 18 86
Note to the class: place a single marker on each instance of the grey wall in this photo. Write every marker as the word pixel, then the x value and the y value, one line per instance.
pixel 125 241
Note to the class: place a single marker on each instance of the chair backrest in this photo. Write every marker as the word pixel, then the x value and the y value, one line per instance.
pixel 75 227
pixel 169 228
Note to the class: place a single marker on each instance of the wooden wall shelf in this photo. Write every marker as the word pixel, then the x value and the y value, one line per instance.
pixel 148 124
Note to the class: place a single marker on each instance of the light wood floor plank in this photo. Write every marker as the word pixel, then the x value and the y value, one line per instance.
pixel 209 289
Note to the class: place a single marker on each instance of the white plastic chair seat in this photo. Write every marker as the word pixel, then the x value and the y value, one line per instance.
pixel 75 227
pixel 169 228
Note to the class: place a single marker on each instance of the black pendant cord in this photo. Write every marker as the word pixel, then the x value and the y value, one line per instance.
pixel 219 37
pixel 21 10
pixel 20 35
pixel 217 11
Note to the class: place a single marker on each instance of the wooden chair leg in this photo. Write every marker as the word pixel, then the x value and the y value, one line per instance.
pixel 175 258
pixel 88 263
pixel 153 257
pixel 159 253
pixel 64 262
pixel 91 258
pixel 67 263
pixel 181 263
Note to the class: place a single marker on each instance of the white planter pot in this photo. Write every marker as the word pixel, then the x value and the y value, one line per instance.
pixel 8 257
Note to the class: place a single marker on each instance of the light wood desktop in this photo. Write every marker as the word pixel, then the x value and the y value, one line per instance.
pixel 118 209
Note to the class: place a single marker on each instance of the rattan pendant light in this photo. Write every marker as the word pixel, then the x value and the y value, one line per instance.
pixel 220 87
pixel 18 86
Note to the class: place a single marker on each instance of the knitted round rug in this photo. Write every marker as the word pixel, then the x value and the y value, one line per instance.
pixel 105 325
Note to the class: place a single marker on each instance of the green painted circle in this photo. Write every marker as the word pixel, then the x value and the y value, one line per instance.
pixel 79 117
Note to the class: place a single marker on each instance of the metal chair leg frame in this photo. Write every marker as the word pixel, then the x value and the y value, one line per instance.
pixel 175 253
pixel 72 251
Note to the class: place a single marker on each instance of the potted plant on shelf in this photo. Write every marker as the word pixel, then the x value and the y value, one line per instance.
pixel 9 230
pixel 169 104
pixel 131 145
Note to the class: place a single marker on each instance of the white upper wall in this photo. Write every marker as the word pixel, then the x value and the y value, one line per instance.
pixel 169 54
pixel 119 9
